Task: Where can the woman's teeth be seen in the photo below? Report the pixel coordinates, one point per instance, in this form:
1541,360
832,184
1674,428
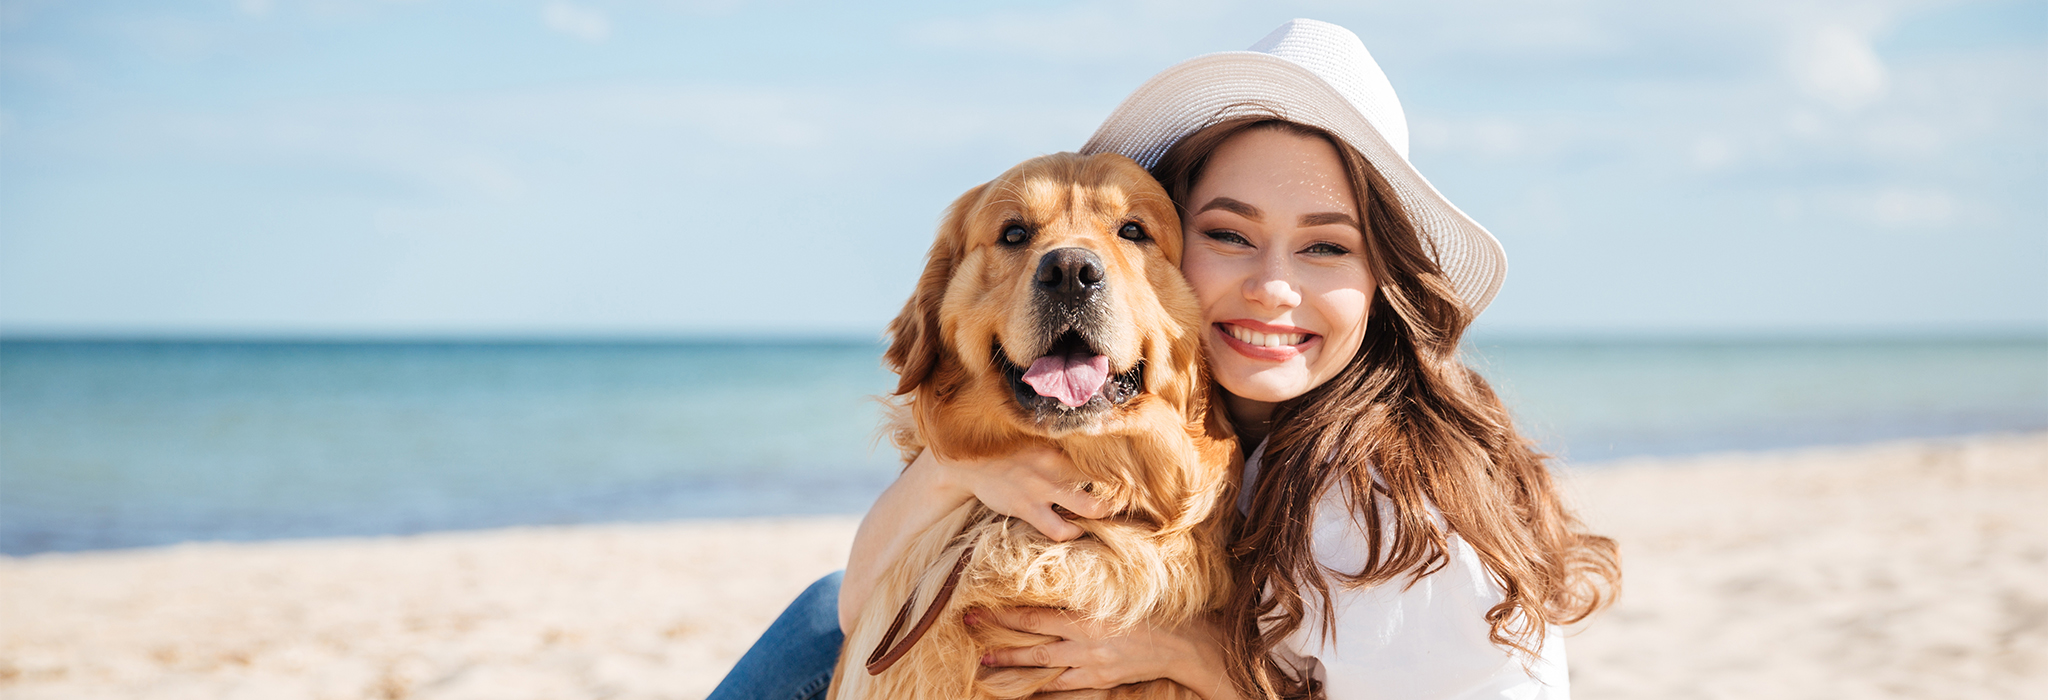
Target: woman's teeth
1265,340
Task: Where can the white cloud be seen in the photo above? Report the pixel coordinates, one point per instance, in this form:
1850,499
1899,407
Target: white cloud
1497,137
1534,30
1900,207
588,24
1836,65
708,8
1089,32
1079,32
1805,123
1506,135
1713,152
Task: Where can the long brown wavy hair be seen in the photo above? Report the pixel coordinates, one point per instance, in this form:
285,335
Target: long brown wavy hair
1406,409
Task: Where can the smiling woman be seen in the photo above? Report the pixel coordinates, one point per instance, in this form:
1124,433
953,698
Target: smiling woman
1377,498
1273,225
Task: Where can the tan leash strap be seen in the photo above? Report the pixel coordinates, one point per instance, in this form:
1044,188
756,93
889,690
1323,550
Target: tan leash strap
885,655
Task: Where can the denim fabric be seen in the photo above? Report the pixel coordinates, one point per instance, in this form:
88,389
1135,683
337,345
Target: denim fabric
793,659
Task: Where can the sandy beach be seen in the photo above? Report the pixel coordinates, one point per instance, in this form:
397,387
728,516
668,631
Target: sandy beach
1897,570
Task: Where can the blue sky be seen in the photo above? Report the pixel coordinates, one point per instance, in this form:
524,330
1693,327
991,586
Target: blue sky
453,167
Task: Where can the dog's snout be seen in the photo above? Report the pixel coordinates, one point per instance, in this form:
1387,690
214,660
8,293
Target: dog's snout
1073,274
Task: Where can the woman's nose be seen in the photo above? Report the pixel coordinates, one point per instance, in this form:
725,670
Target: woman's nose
1272,287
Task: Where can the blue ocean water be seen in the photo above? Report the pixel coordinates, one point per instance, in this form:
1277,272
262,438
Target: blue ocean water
1592,401
124,444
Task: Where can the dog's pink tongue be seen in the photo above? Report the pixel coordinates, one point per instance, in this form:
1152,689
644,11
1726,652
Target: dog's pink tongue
1073,379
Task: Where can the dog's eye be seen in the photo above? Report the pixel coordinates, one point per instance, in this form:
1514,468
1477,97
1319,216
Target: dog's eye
1015,235
1132,232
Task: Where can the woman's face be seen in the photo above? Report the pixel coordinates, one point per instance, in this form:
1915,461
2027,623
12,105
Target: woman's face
1276,255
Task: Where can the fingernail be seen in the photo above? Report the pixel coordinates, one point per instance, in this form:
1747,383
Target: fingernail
988,659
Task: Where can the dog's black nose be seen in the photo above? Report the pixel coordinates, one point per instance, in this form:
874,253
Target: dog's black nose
1070,274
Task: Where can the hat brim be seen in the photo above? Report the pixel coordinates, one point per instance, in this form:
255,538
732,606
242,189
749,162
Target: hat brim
1208,89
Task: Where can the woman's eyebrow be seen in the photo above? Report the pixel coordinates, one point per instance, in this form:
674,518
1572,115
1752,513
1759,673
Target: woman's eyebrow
1327,218
1235,207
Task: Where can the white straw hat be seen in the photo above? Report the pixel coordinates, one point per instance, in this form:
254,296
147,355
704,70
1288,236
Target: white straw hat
1317,74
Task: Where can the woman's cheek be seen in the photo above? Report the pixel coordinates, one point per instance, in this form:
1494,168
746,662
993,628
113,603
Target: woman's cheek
1204,276
1351,305
1347,311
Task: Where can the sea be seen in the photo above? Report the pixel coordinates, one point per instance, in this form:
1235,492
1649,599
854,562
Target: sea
122,444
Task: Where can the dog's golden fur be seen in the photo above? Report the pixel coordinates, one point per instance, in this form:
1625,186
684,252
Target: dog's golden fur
1158,455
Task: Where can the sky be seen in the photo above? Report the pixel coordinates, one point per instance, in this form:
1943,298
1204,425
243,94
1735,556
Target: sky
628,168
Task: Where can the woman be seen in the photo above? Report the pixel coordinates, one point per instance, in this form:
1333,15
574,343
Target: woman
1400,539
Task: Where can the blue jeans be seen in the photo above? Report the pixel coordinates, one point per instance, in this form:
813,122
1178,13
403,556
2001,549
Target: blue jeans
793,659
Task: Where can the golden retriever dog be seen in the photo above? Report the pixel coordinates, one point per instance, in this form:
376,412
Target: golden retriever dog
1051,312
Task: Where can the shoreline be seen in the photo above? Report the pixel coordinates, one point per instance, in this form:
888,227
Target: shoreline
1897,569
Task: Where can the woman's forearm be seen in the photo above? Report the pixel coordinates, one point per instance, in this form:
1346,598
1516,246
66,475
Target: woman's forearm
921,495
1034,484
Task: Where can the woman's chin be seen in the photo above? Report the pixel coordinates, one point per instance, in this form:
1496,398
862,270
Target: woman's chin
1273,385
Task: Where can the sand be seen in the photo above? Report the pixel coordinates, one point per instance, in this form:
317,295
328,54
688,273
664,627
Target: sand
1898,570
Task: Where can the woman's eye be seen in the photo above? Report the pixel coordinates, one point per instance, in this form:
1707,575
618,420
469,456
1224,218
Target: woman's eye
1323,249
1132,232
1230,237
1015,235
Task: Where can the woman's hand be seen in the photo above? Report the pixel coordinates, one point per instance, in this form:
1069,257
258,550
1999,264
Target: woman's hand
1026,485
1097,657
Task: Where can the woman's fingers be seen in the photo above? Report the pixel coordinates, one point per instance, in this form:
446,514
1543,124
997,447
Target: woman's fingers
1083,504
1081,664
1051,622
1048,655
1051,524
1080,679
1093,654
1057,482
1032,485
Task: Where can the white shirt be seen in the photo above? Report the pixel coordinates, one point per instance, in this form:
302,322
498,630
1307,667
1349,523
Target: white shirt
1428,640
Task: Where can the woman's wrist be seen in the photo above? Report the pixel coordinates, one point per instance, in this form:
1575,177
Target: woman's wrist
1205,668
939,480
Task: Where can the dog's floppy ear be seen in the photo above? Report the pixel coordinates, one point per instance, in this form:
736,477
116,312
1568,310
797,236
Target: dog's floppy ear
915,340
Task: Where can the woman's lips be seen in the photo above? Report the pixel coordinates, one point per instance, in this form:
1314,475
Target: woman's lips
1264,341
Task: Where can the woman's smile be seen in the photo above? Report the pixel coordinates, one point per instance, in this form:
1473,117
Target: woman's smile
1265,341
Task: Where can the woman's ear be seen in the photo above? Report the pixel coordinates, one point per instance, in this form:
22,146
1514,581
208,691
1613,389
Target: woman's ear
915,338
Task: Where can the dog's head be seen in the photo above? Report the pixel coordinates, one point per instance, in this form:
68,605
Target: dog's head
1052,297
